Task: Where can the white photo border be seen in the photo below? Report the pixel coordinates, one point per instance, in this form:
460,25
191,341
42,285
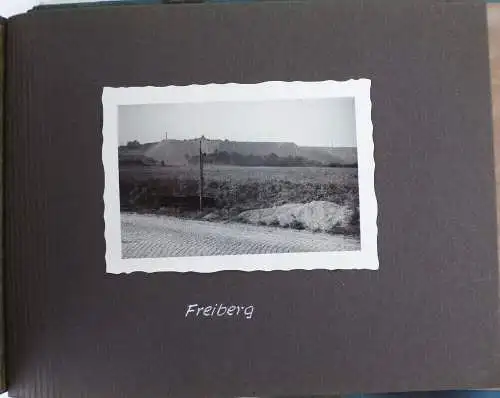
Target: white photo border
366,258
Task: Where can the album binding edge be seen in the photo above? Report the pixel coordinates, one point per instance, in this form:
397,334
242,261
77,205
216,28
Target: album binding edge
3,381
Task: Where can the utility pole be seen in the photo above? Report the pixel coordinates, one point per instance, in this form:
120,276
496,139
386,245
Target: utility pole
201,174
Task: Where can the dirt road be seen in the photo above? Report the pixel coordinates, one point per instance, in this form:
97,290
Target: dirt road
150,236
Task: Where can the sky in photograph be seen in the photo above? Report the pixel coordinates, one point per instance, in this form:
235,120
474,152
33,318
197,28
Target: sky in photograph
316,122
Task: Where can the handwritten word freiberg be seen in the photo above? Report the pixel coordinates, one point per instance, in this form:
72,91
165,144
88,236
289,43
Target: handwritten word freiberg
219,311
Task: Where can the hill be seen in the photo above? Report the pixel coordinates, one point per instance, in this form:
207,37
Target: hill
182,152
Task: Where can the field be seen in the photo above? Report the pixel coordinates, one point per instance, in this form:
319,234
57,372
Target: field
231,190
241,174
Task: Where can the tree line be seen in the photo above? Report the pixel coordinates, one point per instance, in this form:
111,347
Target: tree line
271,160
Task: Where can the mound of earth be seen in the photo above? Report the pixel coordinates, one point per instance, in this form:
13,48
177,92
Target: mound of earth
318,216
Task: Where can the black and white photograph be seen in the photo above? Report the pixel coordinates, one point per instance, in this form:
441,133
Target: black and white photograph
233,178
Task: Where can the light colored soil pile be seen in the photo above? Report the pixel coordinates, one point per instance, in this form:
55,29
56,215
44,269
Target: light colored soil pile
317,216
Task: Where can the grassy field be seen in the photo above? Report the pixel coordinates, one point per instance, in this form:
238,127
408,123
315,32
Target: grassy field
241,174
234,189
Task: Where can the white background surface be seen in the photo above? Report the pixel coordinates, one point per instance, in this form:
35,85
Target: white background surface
12,7
9,8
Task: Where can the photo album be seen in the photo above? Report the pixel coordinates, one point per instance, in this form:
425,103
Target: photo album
250,199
